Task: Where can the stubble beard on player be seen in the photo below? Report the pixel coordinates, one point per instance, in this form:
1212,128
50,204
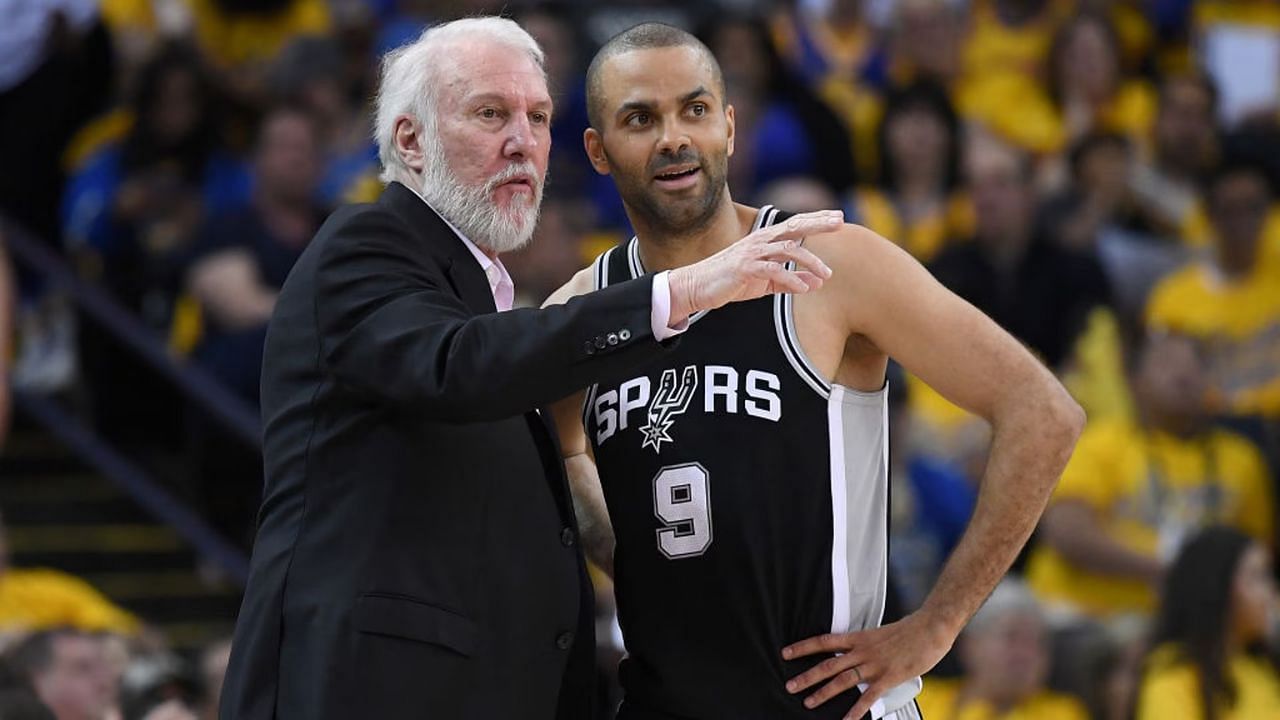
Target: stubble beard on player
670,221
472,208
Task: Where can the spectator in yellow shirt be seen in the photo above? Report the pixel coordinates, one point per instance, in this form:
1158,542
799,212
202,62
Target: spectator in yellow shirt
38,599
1005,655
1231,300
1010,38
1182,149
1084,90
1219,601
916,202
1134,491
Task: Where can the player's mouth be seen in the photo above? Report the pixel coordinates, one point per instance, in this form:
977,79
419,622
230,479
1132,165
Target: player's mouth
678,177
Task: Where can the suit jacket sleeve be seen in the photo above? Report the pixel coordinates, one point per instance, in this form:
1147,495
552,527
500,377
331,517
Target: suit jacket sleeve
392,326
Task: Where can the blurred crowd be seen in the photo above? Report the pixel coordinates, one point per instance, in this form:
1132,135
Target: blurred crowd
1099,176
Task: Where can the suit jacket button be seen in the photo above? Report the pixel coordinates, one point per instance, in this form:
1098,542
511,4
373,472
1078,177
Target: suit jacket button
624,335
589,348
613,338
566,537
565,640
600,342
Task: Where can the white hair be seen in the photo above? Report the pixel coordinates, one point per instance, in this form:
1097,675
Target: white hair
410,79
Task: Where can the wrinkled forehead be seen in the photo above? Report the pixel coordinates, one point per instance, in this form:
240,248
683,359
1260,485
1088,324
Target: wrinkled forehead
657,75
487,68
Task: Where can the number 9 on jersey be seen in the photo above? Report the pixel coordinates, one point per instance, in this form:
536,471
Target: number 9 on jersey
682,502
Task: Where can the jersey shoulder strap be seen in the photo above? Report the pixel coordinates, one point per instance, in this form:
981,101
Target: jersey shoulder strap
605,270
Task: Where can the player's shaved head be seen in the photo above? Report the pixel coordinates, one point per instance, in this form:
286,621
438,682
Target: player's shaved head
646,36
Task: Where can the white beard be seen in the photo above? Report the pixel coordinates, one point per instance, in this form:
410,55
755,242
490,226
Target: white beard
471,208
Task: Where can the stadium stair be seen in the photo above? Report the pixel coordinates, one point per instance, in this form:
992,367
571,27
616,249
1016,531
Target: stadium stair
61,514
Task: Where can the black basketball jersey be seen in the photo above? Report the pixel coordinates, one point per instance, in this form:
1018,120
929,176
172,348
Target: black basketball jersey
749,497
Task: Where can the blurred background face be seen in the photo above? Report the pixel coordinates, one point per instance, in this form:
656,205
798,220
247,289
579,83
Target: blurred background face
1253,595
1171,380
845,12
557,41
288,160
176,111
917,140
1002,194
737,47
1089,63
1105,169
1238,207
928,38
1184,130
1008,658
77,685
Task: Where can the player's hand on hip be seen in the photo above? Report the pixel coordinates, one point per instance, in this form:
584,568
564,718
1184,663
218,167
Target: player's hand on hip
755,266
878,659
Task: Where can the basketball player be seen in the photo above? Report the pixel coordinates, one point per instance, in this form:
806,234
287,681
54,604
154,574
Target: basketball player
745,471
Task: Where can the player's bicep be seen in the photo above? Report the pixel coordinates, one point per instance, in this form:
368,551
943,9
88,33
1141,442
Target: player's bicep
937,336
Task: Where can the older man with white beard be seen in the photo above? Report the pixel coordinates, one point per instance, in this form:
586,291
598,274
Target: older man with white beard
417,553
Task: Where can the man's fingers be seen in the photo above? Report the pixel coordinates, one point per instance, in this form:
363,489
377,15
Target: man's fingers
869,698
824,670
838,684
813,281
783,280
828,643
812,223
803,258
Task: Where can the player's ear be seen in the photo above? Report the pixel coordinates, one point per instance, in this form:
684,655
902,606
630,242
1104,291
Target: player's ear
728,118
594,144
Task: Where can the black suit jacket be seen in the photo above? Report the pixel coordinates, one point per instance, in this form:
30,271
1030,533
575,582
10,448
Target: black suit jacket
416,555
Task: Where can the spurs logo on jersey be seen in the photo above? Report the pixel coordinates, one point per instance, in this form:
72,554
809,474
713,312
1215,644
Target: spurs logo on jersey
671,400
724,390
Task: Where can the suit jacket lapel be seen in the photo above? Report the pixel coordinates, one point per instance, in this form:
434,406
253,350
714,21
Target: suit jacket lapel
460,266
472,286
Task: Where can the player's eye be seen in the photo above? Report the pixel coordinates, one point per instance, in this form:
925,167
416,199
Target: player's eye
698,109
489,113
539,118
639,119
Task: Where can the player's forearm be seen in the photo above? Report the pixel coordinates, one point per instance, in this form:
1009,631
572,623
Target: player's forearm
594,528
1033,438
